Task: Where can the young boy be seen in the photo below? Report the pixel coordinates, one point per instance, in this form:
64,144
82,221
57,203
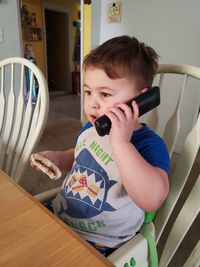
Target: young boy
116,178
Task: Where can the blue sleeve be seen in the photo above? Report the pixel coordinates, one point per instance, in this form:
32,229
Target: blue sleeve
157,155
152,148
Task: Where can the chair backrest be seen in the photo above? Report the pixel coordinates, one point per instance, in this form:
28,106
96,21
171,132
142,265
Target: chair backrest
191,207
172,127
181,172
24,103
139,252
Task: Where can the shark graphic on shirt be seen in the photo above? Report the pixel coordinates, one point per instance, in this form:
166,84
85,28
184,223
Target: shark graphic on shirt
86,189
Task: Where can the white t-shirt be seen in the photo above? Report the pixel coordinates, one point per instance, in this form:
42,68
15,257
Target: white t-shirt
92,199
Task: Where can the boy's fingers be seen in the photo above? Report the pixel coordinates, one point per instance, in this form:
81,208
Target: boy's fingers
135,109
118,113
126,110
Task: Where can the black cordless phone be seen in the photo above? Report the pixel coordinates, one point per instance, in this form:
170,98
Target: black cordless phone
146,102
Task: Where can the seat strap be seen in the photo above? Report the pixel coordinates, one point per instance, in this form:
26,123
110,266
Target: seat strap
151,244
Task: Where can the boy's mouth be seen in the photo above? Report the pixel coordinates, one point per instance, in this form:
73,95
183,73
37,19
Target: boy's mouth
92,117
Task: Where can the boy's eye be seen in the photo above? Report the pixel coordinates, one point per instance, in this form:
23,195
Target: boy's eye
105,94
87,92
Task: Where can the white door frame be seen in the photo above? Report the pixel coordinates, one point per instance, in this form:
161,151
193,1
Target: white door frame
81,72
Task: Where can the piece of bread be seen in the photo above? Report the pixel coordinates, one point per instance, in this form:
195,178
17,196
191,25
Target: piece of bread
46,166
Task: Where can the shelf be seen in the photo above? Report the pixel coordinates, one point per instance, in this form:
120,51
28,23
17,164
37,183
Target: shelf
31,33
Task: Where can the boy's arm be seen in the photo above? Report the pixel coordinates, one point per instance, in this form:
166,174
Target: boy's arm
148,186
62,159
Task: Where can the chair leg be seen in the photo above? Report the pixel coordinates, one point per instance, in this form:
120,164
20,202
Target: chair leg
48,195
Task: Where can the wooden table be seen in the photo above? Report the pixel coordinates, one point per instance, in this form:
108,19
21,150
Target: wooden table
30,235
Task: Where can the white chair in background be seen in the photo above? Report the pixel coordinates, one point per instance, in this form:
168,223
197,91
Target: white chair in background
24,103
137,252
172,126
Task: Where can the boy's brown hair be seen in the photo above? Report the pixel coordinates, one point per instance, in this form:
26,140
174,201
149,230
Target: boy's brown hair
125,56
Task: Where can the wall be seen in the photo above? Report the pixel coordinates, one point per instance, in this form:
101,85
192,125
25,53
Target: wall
86,27
96,23
171,28
9,22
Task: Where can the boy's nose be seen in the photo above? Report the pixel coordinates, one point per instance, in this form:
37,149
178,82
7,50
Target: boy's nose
94,103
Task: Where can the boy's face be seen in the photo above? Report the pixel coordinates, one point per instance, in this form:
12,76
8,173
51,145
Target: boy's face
102,93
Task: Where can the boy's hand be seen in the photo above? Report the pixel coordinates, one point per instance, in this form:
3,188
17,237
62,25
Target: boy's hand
124,122
51,155
46,166
62,159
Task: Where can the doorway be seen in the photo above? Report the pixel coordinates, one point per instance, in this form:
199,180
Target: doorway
58,54
57,50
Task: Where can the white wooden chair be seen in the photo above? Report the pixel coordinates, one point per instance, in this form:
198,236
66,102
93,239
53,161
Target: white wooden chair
22,116
166,72
136,252
138,248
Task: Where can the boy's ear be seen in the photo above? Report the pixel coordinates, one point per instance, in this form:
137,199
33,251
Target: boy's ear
144,90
